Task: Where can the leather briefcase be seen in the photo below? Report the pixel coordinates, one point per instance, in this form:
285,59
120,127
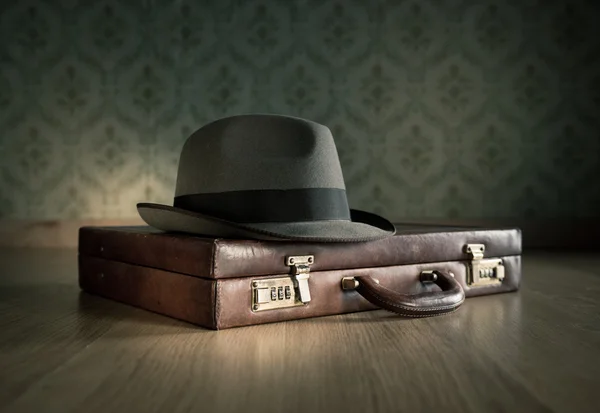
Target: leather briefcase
221,283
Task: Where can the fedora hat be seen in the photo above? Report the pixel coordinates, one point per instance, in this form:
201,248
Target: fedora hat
263,177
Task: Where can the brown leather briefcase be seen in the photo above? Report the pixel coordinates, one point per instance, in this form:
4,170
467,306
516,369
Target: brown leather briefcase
222,283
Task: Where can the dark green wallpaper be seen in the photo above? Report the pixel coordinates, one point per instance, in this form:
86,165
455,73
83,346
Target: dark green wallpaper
439,108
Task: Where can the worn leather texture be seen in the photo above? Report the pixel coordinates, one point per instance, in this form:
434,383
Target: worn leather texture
220,258
148,247
233,299
426,304
176,295
235,259
208,282
219,304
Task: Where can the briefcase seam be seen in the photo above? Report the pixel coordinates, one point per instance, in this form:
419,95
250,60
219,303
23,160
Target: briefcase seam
217,304
213,264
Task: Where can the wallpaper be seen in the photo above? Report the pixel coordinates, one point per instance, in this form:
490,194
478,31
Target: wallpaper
457,108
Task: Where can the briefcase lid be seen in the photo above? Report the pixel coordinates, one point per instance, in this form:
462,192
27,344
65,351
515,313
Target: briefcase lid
230,258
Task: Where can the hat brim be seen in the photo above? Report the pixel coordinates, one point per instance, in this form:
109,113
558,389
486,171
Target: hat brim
363,227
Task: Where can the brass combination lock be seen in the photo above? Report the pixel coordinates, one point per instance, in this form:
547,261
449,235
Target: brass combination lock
274,293
480,271
290,291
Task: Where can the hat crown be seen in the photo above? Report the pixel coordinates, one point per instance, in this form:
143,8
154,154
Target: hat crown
258,152
269,177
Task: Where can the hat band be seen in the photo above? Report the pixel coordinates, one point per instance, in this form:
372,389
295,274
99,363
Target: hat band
270,205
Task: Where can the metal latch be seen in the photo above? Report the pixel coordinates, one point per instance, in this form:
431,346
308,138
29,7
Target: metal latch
480,271
300,270
283,292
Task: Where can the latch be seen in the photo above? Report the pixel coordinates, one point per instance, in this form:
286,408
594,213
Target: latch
300,267
291,291
480,271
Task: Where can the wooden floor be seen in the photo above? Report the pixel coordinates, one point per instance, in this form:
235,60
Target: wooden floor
537,350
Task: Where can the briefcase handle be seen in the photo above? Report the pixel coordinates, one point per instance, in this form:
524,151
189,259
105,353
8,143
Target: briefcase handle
424,304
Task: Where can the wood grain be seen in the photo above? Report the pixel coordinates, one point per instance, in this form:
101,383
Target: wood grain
531,351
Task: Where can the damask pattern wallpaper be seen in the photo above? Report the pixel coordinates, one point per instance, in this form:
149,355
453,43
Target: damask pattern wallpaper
456,108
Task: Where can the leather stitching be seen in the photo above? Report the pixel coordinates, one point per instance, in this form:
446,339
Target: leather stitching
420,315
214,265
218,304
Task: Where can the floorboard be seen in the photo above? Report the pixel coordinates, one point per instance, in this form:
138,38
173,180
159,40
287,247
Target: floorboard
536,350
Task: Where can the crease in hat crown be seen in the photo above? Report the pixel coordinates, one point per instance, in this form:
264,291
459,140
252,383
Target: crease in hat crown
258,151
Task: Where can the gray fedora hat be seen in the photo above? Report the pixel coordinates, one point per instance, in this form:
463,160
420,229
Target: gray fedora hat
264,177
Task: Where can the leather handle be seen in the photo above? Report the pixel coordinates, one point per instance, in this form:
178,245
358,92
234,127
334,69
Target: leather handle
416,305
